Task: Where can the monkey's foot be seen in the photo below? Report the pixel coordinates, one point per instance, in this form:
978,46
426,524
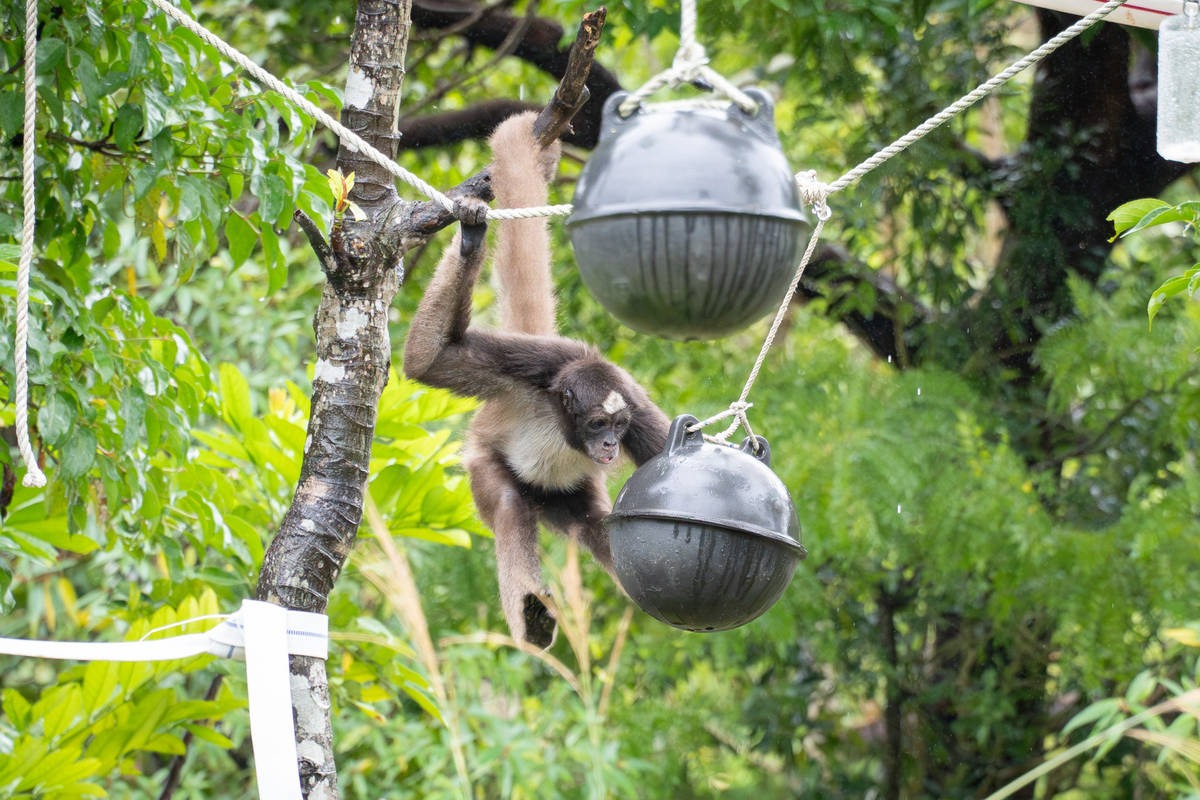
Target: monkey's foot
540,624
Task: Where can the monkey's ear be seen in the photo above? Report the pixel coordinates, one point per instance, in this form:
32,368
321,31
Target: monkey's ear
568,399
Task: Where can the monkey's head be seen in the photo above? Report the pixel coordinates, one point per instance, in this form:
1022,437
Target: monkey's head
595,408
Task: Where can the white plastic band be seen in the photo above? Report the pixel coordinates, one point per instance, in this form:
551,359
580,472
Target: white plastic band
269,685
190,644
307,635
264,634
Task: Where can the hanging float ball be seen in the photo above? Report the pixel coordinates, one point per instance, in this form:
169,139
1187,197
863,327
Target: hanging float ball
686,221
704,536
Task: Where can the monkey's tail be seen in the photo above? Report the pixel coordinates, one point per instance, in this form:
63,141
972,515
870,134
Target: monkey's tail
521,172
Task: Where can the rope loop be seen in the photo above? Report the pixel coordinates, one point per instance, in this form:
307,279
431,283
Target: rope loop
737,409
690,66
813,193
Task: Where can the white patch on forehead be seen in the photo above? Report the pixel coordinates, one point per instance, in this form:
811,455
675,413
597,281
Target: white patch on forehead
614,402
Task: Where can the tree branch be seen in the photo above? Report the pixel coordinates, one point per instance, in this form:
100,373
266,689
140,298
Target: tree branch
538,46
425,219
449,127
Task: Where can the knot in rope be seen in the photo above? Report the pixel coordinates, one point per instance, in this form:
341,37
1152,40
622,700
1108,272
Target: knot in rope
737,409
813,193
690,66
689,62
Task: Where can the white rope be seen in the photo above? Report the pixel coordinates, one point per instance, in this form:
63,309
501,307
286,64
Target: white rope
347,136
737,408
689,65
34,476
969,99
814,193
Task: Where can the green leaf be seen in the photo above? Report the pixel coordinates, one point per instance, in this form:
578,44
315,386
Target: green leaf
1140,688
12,109
1129,214
157,109
424,701
167,743
16,708
50,54
1169,289
1100,710
56,418
139,51
271,193
207,734
276,264
99,683
59,709
241,236
112,239
89,80
235,396
128,125
133,417
78,454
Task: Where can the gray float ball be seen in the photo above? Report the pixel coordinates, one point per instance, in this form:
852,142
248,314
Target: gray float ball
705,536
687,222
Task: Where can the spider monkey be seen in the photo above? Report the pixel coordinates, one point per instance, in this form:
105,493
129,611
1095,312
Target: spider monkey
555,412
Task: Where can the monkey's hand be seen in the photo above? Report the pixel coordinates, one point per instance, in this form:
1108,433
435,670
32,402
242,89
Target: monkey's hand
472,213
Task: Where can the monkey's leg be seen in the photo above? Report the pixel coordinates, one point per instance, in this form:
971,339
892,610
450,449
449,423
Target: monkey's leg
580,515
514,523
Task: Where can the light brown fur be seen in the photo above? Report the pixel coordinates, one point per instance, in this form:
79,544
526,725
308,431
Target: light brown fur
519,177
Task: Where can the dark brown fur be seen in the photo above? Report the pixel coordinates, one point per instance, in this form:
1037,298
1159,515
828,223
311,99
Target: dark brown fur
554,408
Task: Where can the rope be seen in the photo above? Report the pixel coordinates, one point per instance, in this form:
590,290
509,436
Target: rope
737,408
690,65
347,136
969,99
34,477
814,193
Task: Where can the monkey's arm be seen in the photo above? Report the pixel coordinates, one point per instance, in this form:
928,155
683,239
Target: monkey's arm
443,350
444,314
647,434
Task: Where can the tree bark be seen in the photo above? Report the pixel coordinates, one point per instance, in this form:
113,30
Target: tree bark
363,266
353,355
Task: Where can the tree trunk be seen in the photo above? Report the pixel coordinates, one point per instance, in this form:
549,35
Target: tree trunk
363,271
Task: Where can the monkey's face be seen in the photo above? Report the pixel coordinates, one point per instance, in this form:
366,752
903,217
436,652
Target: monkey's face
596,424
601,435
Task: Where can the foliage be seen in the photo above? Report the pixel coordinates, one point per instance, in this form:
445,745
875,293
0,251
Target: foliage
984,588
1165,698
97,718
1138,215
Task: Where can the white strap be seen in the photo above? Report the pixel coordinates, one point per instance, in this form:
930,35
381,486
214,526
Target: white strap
264,634
269,686
307,635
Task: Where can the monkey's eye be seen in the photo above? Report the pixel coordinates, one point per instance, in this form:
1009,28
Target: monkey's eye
596,424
